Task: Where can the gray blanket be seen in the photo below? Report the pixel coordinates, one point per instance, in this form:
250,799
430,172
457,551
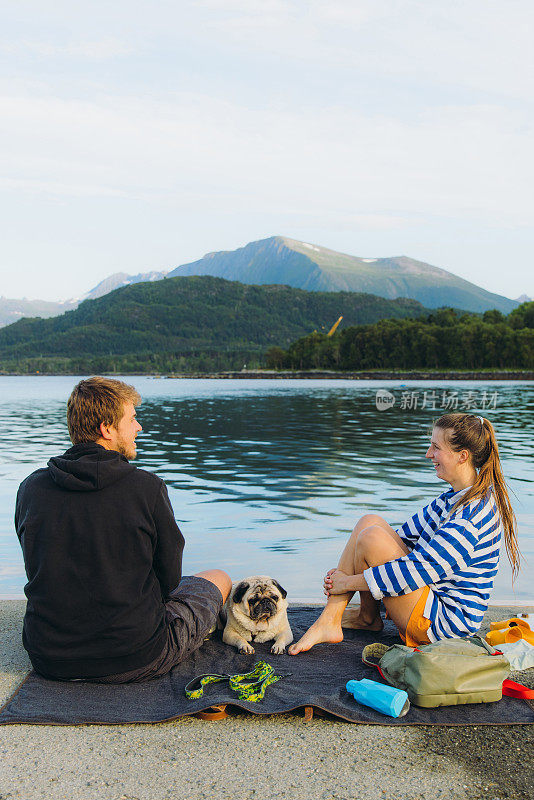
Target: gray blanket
317,679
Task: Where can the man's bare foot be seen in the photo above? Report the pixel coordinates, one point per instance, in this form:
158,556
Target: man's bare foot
352,618
321,631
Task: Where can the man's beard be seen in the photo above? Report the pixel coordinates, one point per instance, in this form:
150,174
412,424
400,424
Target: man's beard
126,449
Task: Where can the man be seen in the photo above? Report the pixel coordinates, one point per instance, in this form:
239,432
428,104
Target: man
103,554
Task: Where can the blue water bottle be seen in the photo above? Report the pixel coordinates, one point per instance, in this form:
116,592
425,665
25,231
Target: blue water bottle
379,696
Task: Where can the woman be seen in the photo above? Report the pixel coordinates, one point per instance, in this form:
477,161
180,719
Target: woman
435,573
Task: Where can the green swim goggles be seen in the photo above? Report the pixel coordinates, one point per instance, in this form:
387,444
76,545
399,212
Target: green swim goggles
249,686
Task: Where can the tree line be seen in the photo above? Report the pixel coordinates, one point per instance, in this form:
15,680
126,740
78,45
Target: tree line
137,364
445,339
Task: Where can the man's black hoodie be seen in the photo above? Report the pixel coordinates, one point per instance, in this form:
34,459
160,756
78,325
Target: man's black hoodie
102,551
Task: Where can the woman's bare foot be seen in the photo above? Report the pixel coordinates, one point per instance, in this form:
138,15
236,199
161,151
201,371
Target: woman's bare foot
322,630
353,618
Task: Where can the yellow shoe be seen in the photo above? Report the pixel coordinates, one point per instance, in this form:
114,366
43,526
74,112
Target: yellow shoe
505,635
507,623
528,636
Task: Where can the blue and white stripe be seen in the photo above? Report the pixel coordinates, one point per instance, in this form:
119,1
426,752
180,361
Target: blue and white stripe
456,555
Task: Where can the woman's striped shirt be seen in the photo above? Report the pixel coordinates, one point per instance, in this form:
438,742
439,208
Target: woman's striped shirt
456,555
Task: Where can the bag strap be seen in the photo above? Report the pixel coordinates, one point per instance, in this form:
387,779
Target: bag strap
513,689
492,651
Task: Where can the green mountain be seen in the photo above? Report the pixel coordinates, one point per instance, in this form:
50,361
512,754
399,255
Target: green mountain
317,269
151,326
11,310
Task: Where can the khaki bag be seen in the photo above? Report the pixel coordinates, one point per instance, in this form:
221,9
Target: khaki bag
445,673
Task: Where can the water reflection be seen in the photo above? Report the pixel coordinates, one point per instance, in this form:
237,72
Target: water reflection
267,476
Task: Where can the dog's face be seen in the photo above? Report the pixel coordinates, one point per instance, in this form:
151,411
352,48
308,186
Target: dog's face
256,610
259,597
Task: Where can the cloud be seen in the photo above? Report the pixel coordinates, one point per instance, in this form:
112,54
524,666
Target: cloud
51,187
98,50
370,222
199,149
409,117
483,46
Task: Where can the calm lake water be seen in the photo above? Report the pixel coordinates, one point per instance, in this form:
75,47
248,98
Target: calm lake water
269,476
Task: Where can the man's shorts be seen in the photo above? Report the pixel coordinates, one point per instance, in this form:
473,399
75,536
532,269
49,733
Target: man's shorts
418,625
191,612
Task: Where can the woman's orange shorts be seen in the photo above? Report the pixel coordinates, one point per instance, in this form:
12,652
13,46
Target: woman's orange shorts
418,625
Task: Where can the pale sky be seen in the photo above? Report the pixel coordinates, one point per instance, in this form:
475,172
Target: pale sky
138,136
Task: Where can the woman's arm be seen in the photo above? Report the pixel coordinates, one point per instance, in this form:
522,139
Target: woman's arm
338,582
447,553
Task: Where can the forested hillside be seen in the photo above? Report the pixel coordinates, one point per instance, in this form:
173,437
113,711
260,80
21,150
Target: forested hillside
442,340
190,323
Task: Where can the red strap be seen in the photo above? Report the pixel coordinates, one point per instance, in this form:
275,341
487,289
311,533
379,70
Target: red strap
513,689
371,664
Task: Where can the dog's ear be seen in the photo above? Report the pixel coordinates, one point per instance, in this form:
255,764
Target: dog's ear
239,591
280,589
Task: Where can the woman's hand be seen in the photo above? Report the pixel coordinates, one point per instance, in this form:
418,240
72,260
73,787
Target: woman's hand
327,582
337,582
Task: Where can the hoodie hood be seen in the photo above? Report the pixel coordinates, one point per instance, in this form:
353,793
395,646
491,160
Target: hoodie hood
88,468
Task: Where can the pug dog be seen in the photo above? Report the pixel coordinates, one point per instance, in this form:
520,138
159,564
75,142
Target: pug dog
256,609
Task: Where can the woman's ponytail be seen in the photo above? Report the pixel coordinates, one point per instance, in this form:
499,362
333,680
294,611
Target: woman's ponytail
476,434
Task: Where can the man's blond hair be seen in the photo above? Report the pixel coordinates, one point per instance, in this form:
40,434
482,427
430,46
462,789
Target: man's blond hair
96,400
